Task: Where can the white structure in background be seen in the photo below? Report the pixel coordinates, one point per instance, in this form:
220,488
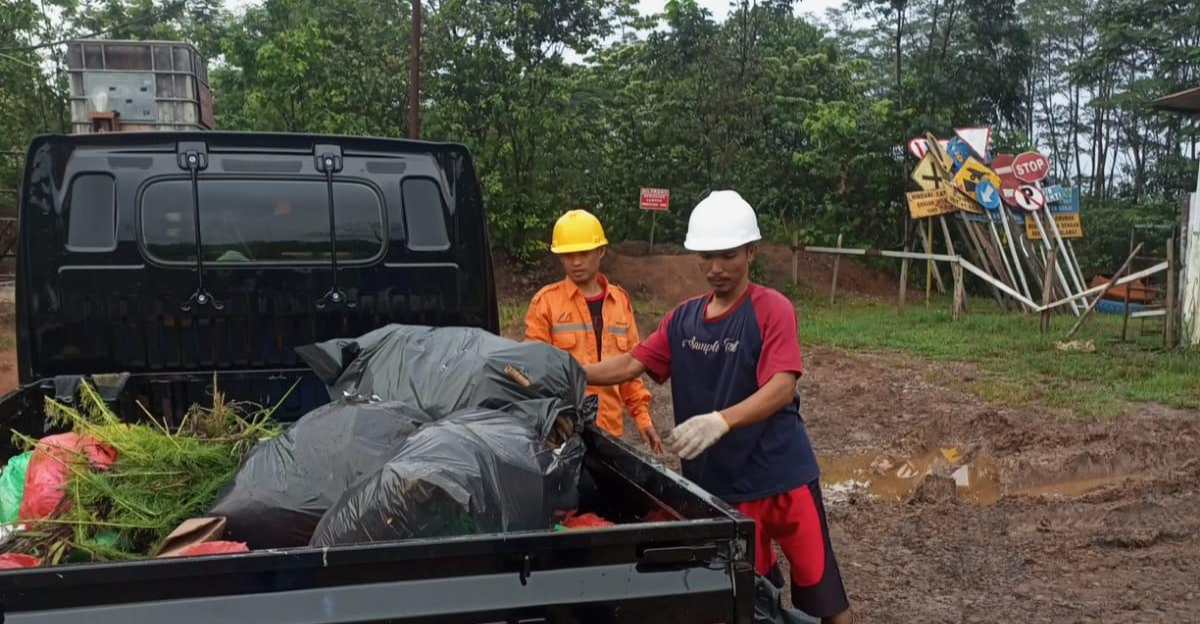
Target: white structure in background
1188,102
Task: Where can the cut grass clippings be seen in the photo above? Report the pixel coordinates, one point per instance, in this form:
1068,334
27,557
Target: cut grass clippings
1020,362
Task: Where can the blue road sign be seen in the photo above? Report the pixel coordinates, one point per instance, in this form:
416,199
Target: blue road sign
959,152
1054,193
1069,204
987,194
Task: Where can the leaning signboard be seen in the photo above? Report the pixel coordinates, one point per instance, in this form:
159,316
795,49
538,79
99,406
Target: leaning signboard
922,204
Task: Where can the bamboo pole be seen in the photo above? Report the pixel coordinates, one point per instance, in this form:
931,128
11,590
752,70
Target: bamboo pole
1128,279
1128,289
928,266
903,283
796,256
981,274
837,259
926,243
959,297
1116,276
1050,265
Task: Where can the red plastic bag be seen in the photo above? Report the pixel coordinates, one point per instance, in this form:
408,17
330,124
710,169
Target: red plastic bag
50,468
585,521
12,561
211,548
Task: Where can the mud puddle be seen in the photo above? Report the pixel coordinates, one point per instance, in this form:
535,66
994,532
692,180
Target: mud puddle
977,480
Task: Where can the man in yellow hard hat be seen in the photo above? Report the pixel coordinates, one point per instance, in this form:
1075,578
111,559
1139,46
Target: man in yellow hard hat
592,319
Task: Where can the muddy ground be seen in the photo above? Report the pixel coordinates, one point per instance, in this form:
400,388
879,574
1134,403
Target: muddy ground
945,508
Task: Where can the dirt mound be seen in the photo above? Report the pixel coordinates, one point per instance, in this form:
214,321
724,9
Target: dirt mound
671,275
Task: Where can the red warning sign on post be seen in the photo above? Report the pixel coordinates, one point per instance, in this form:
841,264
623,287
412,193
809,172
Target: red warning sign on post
656,199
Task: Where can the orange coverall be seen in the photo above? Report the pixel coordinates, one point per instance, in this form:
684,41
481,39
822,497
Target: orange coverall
559,315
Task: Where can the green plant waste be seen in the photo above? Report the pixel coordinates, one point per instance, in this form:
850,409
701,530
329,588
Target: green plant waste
161,477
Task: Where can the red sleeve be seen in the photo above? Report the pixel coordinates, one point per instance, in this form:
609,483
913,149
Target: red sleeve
655,352
781,344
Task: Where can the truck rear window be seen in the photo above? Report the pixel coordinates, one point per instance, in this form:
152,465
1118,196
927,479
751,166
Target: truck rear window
251,221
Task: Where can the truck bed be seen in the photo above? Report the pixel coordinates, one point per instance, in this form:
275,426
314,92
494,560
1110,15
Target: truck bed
697,568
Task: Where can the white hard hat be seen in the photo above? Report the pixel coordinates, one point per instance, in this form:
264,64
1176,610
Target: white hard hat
721,221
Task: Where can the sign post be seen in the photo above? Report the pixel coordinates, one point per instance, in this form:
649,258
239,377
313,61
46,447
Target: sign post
655,200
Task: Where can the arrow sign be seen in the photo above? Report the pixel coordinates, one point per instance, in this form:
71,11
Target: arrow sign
978,139
1030,198
1031,167
987,194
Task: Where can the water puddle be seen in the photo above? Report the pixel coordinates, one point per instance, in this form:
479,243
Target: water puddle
977,481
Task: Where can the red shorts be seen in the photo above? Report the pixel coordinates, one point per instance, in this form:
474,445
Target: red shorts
796,521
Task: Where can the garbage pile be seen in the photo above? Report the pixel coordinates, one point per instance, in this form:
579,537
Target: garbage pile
431,432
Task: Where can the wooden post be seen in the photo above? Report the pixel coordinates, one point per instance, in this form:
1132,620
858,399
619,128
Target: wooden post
1128,289
1048,280
903,282
654,222
927,243
837,259
959,295
1116,276
1169,333
981,259
796,255
928,267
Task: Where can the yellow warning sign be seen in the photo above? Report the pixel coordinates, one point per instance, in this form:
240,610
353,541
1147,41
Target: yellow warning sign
926,174
923,204
1069,226
939,151
962,202
971,173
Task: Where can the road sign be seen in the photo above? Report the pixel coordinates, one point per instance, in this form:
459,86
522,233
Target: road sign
987,194
971,173
1002,165
1030,198
1069,226
927,173
1054,193
656,199
918,147
959,152
923,204
962,201
977,139
1069,203
939,151
1031,167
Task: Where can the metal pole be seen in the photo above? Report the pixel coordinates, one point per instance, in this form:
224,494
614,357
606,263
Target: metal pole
414,74
1012,245
653,223
1057,269
1065,256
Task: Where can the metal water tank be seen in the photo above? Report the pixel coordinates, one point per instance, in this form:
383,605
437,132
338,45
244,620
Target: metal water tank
154,85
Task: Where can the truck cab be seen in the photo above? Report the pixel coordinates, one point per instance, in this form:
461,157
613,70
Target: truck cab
152,263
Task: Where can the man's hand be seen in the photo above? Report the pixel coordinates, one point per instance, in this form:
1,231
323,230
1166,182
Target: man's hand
698,433
650,438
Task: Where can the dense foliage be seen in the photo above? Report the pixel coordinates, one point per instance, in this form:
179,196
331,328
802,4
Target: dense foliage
578,103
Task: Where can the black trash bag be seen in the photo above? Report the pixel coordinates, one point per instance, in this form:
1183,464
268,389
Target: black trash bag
287,483
769,609
480,470
443,370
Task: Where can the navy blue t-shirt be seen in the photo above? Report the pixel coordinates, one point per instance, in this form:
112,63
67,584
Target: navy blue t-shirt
719,362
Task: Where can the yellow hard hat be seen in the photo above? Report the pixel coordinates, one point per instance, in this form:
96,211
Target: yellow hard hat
577,230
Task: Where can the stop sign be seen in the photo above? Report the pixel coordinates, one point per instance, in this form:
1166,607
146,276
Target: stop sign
1031,167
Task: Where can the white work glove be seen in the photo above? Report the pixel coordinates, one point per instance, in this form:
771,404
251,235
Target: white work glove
697,433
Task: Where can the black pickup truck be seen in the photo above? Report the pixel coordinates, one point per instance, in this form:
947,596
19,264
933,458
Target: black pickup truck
174,256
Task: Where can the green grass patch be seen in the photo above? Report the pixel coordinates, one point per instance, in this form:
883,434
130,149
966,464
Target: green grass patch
1019,362
512,312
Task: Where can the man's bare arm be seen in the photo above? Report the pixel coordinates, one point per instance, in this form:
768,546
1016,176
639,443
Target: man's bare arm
614,371
779,390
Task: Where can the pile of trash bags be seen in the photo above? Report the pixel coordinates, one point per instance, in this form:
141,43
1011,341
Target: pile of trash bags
433,432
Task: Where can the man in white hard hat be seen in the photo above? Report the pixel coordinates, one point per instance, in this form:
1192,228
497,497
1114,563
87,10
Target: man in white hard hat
734,356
